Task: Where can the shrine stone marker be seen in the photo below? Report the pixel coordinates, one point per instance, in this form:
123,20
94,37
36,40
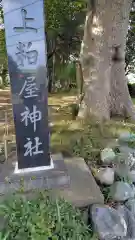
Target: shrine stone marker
26,49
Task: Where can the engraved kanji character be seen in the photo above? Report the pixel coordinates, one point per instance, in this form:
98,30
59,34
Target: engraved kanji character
34,116
29,88
32,150
25,20
24,53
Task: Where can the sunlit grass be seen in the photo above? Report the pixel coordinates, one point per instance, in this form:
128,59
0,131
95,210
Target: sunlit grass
133,99
67,131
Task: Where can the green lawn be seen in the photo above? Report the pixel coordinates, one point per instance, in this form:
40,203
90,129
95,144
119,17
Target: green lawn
77,137
133,99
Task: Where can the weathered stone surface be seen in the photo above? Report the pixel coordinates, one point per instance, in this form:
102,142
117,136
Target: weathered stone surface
105,175
127,137
125,166
121,191
108,223
70,179
130,204
83,189
131,176
107,155
122,170
125,149
130,221
39,180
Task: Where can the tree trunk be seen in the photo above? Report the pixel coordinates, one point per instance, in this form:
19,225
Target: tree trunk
120,102
103,60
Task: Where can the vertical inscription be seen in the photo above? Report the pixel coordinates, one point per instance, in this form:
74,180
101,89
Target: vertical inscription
26,52
29,88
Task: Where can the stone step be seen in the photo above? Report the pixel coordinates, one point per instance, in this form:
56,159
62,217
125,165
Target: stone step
70,179
83,190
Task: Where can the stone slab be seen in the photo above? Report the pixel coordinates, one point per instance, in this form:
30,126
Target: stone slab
71,179
38,180
83,189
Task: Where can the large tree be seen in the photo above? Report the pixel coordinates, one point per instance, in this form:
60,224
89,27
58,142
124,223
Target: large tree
103,60
63,20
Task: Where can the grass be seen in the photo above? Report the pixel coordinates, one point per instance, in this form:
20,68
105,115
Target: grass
133,99
50,219
75,137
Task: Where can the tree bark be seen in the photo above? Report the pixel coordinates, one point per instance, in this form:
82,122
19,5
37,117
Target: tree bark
121,103
103,60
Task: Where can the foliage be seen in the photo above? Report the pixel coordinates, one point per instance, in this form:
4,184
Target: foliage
2,39
90,142
63,19
65,74
64,33
131,88
3,55
42,218
130,47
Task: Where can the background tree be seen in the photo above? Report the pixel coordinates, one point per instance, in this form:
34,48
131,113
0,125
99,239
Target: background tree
3,56
64,32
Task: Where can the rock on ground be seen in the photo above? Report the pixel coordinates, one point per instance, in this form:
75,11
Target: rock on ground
107,156
130,204
130,221
127,137
107,222
121,191
105,175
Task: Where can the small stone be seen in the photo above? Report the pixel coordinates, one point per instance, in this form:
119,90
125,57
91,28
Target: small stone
130,221
122,170
131,161
123,164
107,155
127,137
108,223
105,175
131,176
121,191
130,204
125,149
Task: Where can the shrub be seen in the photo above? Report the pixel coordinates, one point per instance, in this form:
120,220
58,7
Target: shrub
131,88
89,144
42,218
